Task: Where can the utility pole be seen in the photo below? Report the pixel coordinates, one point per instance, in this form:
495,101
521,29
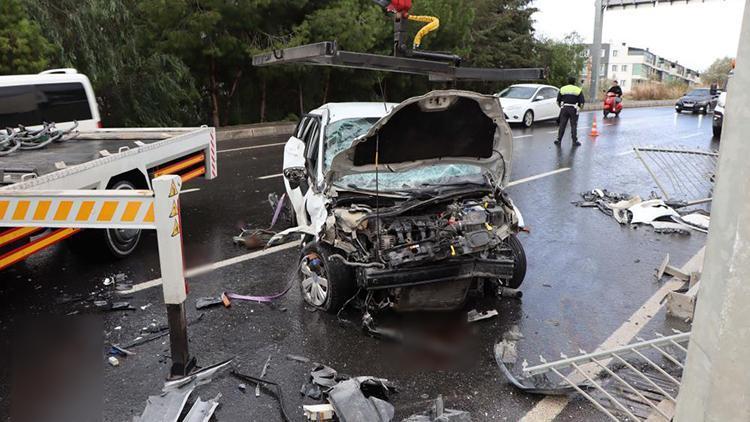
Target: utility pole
716,385
596,50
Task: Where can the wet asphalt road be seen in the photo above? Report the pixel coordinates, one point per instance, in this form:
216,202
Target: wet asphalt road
586,276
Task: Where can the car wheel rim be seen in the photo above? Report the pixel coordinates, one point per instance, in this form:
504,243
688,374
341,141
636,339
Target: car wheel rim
123,240
314,280
527,119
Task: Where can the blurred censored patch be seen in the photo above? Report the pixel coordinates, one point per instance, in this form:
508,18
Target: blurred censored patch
56,366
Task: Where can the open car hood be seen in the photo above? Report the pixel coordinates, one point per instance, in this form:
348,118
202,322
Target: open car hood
440,127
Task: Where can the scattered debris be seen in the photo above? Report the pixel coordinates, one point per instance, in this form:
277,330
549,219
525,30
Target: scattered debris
438,413
262,374
121,306
697,221
318,412
259,238
225,300
146,306
242,387
260,299
107,281
113,361
117,350
682,304
207,302
277,391
362,399
473,315
159,330
297,358
666,268
633,210
202,410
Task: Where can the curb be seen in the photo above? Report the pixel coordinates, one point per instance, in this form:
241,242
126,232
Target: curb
255,131
632,104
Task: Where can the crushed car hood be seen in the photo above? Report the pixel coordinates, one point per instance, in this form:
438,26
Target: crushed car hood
441,127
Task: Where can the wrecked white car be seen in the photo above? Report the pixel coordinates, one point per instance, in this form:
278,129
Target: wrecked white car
404,205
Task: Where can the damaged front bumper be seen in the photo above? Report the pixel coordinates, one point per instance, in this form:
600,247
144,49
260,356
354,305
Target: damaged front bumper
453,269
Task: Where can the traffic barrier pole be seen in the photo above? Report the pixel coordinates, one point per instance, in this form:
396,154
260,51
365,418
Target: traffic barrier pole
118,209
168,234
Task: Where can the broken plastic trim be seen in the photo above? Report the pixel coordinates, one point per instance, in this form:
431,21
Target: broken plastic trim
277,390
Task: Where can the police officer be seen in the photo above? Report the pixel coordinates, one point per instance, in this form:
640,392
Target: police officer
570,99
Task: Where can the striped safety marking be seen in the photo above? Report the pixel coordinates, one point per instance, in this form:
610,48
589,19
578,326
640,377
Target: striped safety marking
12,235
174,168
113,212
23,252
212,155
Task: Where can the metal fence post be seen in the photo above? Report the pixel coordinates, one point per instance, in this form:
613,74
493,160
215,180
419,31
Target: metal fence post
168,233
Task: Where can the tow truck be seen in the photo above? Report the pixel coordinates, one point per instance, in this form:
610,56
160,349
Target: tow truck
409,59
99,159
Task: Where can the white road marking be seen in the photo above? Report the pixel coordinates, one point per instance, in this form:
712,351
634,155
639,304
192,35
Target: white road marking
189,190
549,408
214,266
552,131
252,147
538,176
270,176
691,136
625,153
522,136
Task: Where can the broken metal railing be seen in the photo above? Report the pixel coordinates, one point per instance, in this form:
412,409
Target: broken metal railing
617,385
680,173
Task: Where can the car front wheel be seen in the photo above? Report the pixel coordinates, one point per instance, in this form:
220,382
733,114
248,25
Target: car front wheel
528,118
325,283
519,262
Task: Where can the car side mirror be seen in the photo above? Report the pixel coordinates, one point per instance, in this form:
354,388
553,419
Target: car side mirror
539,98
295,176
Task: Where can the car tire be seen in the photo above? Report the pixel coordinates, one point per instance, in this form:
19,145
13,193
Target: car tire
121,242
325,284
528,119
678,110
617,114
519,262
717,132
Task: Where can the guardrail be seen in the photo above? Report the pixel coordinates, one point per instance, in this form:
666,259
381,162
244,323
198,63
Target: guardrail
118,209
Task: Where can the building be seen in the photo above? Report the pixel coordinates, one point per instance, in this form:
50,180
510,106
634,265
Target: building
632,66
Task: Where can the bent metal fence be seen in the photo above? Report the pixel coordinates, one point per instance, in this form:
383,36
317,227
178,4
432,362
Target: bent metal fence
680,173
636,382
118,209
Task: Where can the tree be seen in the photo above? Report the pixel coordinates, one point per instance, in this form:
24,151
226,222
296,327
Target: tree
503,34
564,58
104,39
718,72
23,48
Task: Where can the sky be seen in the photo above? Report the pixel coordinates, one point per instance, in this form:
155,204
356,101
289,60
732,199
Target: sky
693,33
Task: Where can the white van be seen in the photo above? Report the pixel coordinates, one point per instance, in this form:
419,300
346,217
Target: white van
61,96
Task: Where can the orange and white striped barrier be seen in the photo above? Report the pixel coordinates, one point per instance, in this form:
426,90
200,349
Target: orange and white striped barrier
27,211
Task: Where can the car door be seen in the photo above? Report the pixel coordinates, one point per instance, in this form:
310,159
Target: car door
549,103
296,176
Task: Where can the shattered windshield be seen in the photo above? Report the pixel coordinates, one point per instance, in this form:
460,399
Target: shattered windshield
415,179
341,134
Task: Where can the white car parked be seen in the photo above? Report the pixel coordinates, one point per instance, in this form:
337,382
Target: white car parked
529,103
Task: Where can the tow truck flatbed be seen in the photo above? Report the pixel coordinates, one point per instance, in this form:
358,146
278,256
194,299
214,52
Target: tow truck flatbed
101,159
91,159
